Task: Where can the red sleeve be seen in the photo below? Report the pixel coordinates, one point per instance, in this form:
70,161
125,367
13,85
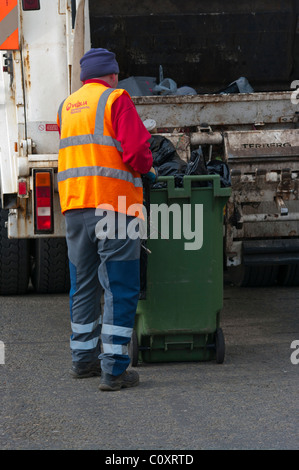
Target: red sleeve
131,133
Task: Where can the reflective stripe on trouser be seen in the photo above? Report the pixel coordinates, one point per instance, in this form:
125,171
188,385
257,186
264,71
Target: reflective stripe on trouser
111,264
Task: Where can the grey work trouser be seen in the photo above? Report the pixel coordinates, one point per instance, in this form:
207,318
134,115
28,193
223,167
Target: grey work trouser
96,264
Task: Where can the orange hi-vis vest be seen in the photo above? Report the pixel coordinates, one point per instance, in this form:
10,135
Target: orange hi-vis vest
91,172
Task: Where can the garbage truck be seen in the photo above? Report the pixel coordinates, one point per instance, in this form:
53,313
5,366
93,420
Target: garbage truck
217,76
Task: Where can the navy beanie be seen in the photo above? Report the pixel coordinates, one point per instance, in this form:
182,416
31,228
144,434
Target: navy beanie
97,63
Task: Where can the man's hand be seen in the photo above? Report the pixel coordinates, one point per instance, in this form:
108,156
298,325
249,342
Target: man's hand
151,175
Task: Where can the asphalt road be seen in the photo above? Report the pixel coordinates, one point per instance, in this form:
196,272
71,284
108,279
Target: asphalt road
248,402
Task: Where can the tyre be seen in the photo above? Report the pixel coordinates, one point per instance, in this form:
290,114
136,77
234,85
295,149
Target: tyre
133,349
220,346
50,272
14,261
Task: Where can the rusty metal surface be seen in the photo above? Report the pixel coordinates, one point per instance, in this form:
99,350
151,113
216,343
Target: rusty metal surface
21,221
263,205
44,72
217,110
260,144
265,185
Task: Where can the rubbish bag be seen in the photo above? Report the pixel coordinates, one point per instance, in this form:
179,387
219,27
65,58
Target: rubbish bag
186,90
238,86
218,167
169,87
165,87
167,162
138,86
196,166
162,150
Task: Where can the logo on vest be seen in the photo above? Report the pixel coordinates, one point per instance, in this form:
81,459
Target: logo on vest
76,107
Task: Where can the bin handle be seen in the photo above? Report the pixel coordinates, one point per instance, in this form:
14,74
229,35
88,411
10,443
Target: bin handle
185,191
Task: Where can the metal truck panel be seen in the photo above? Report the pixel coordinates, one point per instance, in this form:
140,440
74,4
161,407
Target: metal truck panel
21,221
256,146
9,133
217,110
45,72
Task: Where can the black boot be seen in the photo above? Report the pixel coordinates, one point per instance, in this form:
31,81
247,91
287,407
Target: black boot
127,379
81,370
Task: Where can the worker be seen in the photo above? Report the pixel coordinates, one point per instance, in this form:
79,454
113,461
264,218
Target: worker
104,150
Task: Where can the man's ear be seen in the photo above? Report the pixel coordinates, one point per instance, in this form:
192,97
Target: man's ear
114,78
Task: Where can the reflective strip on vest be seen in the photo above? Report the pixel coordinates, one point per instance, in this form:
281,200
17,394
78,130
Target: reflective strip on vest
89,139
97,138
99,171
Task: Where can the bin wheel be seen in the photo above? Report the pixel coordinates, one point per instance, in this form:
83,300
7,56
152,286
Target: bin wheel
133,349
220,346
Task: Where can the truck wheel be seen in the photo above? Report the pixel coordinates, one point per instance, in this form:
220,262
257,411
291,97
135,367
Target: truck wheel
14,261
50,272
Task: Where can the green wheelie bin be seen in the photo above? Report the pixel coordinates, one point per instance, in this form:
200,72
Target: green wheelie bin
179,317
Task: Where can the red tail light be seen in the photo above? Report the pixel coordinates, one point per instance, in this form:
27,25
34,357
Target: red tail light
22,188
43,201
30,5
